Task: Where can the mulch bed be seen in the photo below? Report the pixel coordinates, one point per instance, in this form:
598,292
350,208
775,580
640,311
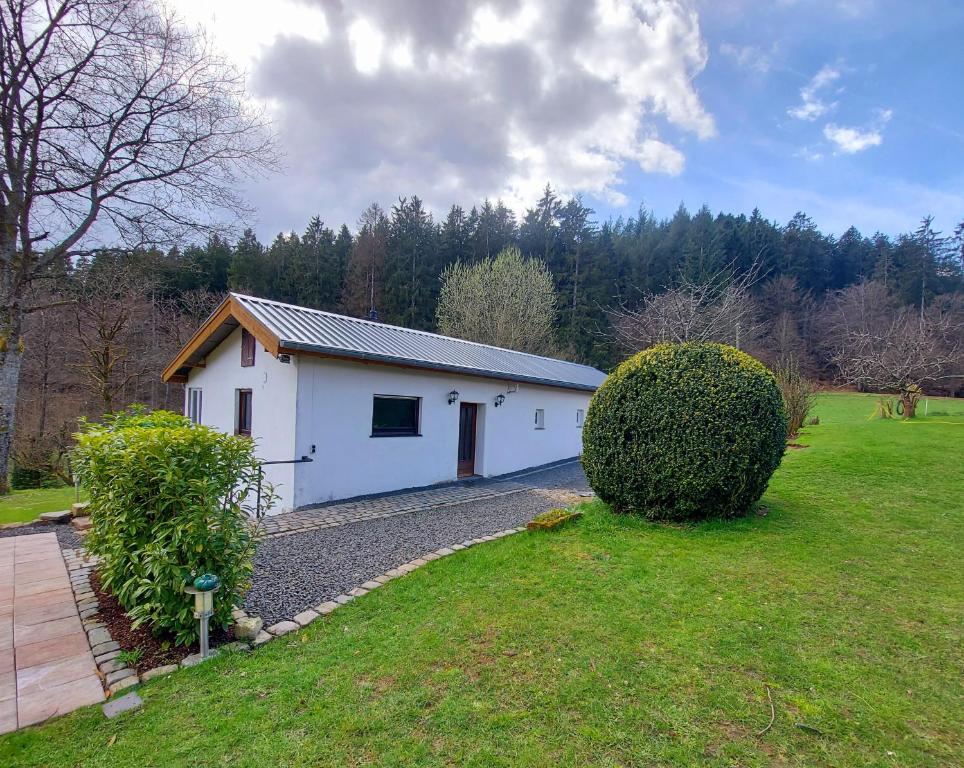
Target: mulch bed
155,651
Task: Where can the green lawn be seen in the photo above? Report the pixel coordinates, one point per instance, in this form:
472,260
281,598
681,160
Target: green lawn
615,642
22,506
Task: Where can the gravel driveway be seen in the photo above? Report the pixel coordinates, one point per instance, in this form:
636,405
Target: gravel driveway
299,571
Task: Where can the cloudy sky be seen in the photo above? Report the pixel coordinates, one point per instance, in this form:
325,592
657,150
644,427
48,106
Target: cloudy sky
850,111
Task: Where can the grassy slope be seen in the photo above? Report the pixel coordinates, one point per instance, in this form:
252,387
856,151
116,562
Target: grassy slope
616,642
22,506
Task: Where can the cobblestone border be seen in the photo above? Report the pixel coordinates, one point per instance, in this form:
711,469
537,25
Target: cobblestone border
290,523
305,618
378,506
117,676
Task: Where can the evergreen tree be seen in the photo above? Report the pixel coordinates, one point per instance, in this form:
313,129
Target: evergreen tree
411,269
248,271
806,254
454,237
364,274
703,255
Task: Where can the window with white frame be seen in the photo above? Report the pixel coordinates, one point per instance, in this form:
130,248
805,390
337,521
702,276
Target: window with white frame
194,405
540,418
580,415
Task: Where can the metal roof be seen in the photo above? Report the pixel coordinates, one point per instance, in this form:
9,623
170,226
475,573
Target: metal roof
311,330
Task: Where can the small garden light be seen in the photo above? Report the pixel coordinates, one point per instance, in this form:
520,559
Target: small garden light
203,589
453,396
499,399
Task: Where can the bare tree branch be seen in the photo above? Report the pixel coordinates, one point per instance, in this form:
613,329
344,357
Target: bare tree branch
117,123
720,309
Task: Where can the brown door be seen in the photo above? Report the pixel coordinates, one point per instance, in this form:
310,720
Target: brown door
467,417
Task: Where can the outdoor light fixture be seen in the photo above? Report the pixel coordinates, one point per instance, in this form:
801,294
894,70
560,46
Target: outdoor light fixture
203,590
499,399
453,396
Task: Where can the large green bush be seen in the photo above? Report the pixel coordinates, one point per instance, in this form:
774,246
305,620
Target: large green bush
166,504
683,431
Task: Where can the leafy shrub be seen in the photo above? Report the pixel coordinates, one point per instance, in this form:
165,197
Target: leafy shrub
165,506
684,431
797,392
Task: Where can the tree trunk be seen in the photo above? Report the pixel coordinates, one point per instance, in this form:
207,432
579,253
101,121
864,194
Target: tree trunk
909,402
11,357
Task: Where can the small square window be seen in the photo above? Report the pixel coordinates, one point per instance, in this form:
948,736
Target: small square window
248,343
580,415
194,405
540,418
243,417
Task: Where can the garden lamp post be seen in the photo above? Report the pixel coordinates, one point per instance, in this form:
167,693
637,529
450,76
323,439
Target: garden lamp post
203,589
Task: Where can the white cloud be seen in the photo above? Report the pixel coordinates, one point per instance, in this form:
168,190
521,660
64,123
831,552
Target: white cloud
749,57
243,31
812,104
456,101
850,140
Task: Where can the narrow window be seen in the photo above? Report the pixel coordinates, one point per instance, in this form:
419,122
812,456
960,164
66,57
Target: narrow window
580,415
244,413
247,349
540,418
194,405
394,416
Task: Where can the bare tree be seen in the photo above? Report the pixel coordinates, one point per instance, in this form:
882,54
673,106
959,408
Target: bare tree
508,301
115,122
113,315
894,349
720,309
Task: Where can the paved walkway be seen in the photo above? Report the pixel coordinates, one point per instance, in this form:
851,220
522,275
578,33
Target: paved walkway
46,667
377,507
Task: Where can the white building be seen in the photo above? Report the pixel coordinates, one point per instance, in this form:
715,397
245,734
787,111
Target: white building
375,407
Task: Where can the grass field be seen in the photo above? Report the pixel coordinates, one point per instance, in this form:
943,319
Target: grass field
615,642
22,506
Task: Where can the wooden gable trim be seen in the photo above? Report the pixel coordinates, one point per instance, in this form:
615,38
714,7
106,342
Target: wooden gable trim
255,327
229,308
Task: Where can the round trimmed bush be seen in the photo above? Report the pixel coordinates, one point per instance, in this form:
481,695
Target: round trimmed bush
683,431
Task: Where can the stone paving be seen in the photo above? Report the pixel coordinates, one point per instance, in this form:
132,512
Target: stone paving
375,507
46,665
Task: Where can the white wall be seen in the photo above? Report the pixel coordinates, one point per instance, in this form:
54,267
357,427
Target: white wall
273,386
335,415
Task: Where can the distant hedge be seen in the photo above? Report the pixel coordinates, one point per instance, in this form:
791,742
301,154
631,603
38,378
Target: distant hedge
166,506
683,431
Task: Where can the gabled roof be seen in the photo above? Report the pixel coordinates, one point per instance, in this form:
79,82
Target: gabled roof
285,328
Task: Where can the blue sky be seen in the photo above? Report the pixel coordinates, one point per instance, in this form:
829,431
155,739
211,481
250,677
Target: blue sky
850,111
904,57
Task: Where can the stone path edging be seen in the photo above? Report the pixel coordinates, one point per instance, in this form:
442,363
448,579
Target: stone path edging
390,505
118,676
114,674
303,619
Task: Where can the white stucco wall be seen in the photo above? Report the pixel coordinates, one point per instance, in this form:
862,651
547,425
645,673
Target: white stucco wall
273,386
334,413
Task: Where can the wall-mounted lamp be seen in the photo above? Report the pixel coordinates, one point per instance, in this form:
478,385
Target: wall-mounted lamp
453,396
499,399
